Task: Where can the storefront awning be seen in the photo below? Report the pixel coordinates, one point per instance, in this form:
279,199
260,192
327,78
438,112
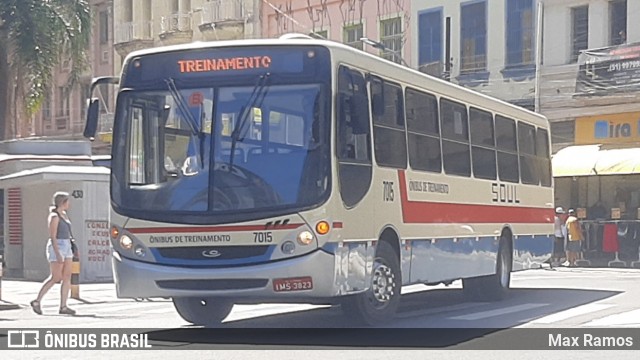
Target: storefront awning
588,160
55,173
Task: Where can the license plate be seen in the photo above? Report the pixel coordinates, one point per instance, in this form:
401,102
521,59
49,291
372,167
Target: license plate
293,284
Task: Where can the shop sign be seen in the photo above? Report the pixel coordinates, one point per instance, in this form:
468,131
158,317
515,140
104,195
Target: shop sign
608,129
615,213
582,213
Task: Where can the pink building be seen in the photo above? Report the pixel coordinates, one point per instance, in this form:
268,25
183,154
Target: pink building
62,114
384,21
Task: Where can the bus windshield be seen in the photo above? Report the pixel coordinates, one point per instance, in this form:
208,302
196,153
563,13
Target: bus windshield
207,150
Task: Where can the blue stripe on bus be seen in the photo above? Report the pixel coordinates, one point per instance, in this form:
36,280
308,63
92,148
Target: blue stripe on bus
535,245
211,262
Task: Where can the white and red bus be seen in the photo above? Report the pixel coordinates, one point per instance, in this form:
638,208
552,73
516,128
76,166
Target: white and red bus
301,170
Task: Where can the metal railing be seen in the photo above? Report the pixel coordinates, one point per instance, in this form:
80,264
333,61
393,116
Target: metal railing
221,10
175,22
142,30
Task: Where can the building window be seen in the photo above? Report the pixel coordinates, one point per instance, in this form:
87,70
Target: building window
46,107
104,27
473,39
430,37
520,32
618,21
391,38
580,33
62,102
352,35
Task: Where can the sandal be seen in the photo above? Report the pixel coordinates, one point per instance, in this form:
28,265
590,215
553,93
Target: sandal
67,311
35,306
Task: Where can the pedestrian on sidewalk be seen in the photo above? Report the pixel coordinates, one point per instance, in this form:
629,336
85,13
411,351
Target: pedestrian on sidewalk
560,230
575,237
59,253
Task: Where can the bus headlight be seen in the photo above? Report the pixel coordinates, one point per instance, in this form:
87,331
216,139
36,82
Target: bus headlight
126,242
305,238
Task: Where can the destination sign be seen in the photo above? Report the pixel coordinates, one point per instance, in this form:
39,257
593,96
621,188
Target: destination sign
214,62
222,64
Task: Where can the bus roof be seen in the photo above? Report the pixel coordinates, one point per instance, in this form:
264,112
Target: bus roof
367,61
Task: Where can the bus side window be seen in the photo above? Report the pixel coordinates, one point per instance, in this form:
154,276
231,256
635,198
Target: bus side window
353,141
353,117
483,145
455,138
542,154
527,152
507,146
389,138
423,131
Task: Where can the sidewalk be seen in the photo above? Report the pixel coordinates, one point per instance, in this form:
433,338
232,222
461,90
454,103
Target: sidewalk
17,294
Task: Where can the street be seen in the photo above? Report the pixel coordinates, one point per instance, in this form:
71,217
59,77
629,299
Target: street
558,297
545,298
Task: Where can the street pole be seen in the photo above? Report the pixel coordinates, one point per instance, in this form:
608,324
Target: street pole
447,55
538,56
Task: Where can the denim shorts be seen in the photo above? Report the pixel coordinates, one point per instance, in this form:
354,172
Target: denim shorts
574,246
64,245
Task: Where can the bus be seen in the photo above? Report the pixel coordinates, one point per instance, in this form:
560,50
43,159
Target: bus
299,170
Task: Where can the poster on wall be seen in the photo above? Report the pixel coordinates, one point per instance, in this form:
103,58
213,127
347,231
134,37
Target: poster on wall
95,264
609,70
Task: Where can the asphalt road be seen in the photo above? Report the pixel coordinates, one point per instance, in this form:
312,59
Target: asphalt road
431,317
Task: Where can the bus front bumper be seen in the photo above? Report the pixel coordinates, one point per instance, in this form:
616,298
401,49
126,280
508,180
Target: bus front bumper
135,279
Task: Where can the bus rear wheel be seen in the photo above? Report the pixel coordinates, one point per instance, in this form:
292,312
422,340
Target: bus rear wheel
492,287
203,311
379,303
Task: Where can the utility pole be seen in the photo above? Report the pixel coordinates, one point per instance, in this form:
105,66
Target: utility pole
447,55
538,57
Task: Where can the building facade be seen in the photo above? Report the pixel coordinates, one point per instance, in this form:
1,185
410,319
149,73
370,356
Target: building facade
142,24
62,114
572,26
347,21
492,45
494,50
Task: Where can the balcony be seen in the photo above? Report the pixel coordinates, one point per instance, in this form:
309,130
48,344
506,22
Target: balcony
133,36
176,29
223,20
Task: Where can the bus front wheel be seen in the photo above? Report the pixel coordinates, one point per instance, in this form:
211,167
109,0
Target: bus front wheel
379,303
492,287
202,311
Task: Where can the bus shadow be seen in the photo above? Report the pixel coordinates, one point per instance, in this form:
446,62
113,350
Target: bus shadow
429,319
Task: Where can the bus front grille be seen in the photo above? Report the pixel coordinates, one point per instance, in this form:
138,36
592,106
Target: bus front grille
218,284
213,252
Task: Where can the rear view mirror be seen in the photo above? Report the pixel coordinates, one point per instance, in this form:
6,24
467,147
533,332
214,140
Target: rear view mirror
93,113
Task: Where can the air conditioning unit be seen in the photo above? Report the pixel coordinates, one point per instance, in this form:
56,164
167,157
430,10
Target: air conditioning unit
435,68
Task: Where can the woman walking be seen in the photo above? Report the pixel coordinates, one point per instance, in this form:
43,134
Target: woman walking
59,254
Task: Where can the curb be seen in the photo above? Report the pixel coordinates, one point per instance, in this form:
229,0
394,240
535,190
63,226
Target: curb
9,306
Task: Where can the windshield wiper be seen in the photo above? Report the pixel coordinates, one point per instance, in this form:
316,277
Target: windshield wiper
256,98
191,121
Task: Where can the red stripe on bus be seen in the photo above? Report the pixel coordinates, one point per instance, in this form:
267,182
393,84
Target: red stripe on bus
337,225
230,228
421,212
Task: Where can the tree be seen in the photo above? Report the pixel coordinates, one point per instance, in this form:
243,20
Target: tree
35,36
